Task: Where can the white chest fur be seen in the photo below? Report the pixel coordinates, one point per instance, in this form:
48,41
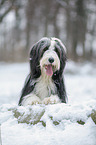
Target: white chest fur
45,87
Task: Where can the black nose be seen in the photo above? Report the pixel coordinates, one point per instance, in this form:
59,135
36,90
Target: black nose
51,59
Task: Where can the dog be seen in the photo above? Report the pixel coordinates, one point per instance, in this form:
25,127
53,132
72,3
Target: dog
45,83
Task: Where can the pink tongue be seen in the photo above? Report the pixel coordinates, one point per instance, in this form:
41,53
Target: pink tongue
49,70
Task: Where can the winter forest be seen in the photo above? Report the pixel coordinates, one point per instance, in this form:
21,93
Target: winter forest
22,23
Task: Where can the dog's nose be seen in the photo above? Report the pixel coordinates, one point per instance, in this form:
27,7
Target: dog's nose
51,59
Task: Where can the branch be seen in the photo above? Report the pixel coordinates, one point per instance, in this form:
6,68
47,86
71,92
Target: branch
66,5
12,5
5,13
2,2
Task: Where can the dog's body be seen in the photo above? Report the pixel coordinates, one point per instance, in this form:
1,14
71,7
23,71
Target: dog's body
45,83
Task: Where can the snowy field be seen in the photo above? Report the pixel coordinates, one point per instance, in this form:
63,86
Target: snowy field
58,124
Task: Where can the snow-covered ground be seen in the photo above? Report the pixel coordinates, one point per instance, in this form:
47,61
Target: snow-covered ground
58,123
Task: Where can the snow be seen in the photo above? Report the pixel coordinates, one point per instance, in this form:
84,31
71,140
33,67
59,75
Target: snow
12,77
57,124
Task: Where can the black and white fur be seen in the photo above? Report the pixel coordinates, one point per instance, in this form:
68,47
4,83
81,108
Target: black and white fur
40,87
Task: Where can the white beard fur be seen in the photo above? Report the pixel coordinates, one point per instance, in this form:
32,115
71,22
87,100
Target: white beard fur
43,92
45,87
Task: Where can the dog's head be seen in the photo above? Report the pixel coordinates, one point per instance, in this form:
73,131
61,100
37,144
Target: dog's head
47,56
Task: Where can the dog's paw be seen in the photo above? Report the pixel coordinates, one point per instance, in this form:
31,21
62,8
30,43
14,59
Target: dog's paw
53,99
35,101
31,100
46,101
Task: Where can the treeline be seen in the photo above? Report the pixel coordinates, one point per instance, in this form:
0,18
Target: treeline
22,23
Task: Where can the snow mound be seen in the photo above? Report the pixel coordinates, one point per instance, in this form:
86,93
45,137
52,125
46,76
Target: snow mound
56,114
57,124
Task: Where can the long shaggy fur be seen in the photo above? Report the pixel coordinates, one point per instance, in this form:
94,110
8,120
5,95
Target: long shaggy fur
45,83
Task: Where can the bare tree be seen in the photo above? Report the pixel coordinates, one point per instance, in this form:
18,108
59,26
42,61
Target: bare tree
8,5
67,19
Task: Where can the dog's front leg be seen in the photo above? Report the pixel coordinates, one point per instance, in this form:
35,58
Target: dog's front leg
31,99
53,99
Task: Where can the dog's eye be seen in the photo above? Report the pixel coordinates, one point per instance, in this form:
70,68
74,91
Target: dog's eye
45,49
57,51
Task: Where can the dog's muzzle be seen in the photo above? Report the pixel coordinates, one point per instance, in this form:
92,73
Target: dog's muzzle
49,63
49,68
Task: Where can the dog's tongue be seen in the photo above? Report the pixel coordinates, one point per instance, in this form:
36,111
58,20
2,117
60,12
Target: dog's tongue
49,70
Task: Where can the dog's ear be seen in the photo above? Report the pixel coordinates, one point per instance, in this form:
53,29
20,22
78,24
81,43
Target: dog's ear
34,61
61,51
35,55
63,60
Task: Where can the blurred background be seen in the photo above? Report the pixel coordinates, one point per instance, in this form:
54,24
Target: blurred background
22,23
